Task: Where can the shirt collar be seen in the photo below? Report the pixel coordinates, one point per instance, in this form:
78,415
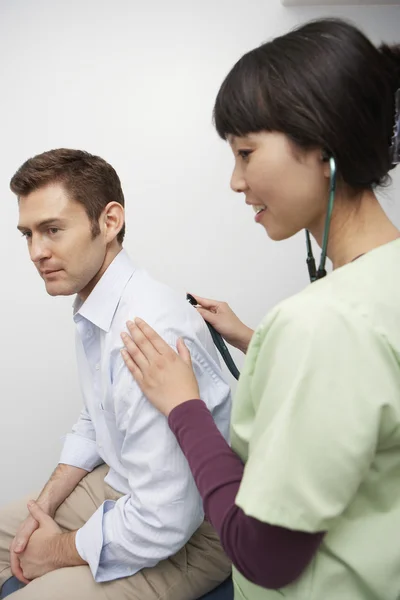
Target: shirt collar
100,306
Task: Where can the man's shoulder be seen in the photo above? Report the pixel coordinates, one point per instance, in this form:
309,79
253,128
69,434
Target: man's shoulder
170,314
147,297
162,307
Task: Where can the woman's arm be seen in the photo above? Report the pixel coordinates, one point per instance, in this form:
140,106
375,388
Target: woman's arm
269,556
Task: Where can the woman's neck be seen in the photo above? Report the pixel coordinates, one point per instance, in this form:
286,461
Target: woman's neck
358,226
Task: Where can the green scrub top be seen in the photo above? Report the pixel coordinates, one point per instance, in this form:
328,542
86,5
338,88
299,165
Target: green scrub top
316,419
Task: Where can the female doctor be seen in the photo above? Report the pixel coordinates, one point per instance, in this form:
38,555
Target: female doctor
307,501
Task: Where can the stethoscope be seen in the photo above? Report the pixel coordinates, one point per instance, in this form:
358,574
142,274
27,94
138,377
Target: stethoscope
312,270
219,343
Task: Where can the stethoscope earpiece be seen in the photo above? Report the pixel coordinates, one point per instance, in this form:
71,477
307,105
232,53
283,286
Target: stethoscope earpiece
325,156
312,270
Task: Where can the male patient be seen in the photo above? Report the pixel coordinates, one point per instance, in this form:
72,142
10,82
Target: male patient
121,508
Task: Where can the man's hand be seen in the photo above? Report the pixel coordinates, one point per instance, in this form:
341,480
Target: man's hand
48,548
19,544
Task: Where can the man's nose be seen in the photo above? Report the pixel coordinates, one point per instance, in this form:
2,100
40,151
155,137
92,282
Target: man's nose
38,250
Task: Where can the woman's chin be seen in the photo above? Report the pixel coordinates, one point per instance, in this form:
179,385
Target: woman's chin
277,234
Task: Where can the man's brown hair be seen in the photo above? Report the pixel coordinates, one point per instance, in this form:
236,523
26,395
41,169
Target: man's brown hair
86,178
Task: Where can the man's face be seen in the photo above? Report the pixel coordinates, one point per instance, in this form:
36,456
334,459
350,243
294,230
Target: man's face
60,241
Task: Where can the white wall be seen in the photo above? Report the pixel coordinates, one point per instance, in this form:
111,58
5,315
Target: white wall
135,83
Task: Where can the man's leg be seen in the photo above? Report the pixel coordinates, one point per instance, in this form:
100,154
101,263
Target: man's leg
11,518
197,568
72,514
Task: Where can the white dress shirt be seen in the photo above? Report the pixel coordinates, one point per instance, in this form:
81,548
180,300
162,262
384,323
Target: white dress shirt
161,507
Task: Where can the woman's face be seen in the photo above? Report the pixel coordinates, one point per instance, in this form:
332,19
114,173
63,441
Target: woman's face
287,185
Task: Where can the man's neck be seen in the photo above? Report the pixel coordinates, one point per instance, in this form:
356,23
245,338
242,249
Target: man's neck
111,253
358,226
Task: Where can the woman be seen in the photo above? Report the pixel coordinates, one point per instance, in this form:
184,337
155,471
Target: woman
307,502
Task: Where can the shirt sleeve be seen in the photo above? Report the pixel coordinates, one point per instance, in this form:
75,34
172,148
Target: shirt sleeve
163,509
79,448
315,389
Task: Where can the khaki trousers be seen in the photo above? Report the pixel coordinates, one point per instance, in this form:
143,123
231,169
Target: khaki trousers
196,569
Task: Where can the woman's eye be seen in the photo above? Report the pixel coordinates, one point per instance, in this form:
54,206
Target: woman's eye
244,154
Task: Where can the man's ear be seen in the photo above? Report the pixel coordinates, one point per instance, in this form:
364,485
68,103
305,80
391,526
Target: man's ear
112,220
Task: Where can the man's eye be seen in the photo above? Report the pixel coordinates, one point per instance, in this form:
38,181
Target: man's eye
26,234
53,230
244,154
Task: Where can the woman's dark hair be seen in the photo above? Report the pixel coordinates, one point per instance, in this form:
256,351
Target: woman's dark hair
324,85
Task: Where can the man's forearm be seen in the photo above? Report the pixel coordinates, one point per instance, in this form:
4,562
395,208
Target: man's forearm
63,481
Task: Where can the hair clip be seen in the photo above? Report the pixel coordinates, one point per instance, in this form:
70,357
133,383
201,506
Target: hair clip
395,147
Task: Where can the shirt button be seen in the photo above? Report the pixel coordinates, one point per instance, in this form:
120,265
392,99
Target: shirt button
97,367
100,445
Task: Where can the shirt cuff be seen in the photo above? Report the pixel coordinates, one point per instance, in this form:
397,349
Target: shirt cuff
89,540
80,452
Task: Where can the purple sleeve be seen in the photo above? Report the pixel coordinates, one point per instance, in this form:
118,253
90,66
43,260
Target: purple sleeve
267,555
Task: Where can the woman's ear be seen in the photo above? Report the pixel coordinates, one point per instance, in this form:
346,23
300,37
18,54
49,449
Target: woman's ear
325,158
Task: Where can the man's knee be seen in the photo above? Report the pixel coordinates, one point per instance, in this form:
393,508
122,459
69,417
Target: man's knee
13,514
63,584
11,517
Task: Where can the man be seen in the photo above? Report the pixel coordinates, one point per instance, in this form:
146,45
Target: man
120,517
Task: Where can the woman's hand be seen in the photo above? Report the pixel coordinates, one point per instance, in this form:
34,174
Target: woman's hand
165,377
221,316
